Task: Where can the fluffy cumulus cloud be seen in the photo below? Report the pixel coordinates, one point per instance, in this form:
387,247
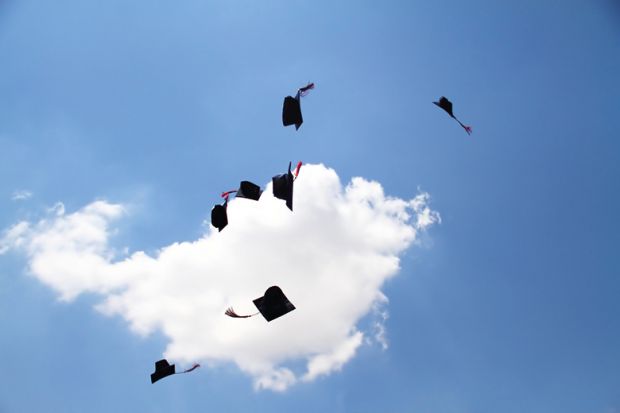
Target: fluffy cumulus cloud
330,257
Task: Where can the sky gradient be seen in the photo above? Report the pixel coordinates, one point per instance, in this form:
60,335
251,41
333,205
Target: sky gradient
509,304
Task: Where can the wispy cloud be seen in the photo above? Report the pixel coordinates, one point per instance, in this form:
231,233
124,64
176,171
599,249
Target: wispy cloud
21,195
381,316
331,258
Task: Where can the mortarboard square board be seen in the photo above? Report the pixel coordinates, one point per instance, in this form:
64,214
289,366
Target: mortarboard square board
291,112
249,190
219,218
445,104
273,304
283,187
162,369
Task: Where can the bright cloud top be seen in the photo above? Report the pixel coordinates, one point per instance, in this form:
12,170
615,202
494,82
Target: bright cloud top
330,257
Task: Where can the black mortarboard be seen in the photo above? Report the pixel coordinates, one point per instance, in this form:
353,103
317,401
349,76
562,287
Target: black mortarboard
291,109
249,190
446,105
273,304
283,187
162,369
219,218
291,112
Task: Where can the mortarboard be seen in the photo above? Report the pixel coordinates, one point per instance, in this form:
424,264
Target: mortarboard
219,217
283,185
273,304
249,190
446,105
291,112
291,109
163,369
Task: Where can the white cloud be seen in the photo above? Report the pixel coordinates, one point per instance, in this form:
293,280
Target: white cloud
330,257
325,363
381,316
21,195
14,237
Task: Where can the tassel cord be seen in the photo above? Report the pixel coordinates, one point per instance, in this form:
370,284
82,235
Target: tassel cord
467,128
230,312
226,194
303,91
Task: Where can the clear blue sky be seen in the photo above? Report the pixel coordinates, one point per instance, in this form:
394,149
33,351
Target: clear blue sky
511,305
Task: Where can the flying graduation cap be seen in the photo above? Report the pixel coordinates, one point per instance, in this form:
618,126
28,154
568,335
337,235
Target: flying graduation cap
446,105
219,217
249,190
272,305
291,110
163,369
283,185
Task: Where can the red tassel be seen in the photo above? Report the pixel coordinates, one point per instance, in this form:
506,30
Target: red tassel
467,128
297,169
231,313
304,90
225,195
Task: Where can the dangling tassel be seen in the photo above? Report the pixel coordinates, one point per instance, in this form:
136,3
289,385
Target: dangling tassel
194,367
467,128
231,313
303,91
297,169
226,194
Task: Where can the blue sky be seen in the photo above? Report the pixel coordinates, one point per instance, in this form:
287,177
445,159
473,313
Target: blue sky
510,304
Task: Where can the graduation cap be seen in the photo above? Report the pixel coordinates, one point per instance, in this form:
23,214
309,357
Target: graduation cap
272,305
446,105
219,217
247,189
283,185
163,369
291,109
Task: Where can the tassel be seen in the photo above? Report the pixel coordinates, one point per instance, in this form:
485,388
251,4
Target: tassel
194,367
225,195
303,91
231,313
467,128
297,169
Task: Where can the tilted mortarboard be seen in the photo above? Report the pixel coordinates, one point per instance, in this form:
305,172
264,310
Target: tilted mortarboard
446,105
219,217
163,369
283,185
291,109
272,305
247,189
